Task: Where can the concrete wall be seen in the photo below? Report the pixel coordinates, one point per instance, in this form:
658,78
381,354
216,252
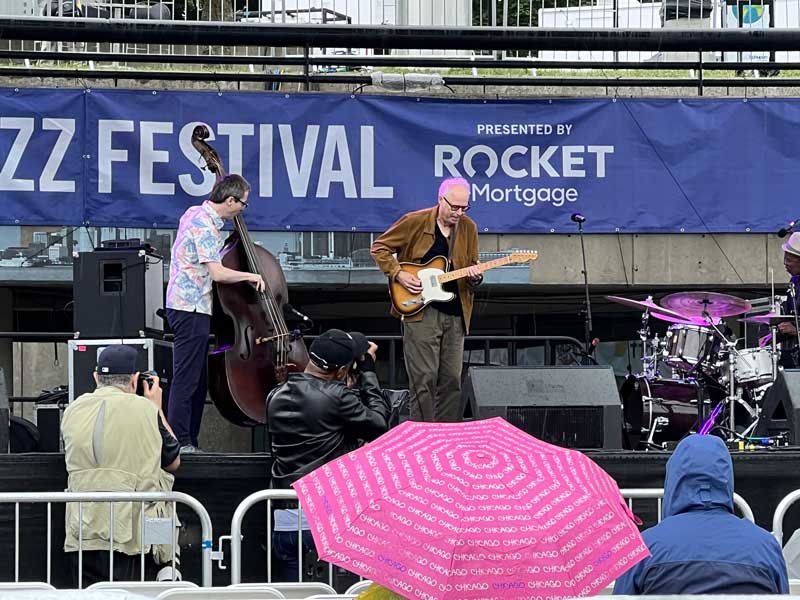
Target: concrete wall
650,260
36,367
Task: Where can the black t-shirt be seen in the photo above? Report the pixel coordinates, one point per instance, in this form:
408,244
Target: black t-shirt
441,247
170,447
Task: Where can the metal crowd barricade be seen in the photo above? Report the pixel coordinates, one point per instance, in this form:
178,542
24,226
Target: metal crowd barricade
269,496
236,533
111,497
780,513
632,494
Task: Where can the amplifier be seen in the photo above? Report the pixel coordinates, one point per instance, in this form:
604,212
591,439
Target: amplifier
153,355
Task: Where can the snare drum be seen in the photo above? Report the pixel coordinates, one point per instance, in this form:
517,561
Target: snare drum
753,367
688,346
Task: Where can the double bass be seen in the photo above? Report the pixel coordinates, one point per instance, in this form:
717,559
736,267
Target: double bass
255,349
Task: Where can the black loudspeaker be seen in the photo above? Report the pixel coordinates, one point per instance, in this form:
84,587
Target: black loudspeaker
153,355
48,422
574,407
5,417
118,293
780,414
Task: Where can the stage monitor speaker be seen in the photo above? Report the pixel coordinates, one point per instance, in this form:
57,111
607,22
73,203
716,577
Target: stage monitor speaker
780,414
118,293
574,407
5,416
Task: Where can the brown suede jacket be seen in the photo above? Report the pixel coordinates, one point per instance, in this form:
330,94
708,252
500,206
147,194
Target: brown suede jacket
412,235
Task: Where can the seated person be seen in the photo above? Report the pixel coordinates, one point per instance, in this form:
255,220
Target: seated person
701,546
314,418
116,441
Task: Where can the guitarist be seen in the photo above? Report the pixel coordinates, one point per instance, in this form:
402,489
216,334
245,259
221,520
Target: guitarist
433,340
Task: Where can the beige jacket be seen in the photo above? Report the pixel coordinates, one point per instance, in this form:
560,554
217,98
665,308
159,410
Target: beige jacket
413,235
112,444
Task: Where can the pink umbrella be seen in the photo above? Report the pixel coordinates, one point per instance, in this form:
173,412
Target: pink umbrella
479,510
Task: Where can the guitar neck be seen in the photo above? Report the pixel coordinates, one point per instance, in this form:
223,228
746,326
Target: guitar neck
482,267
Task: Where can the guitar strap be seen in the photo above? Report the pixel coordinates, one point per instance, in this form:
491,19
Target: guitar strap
451,244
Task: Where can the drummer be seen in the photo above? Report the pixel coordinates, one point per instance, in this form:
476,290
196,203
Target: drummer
787,332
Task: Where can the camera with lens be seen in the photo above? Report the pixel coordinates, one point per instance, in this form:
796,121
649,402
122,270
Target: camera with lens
144,376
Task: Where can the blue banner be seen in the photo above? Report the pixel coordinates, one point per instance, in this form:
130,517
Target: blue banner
41,148
356,163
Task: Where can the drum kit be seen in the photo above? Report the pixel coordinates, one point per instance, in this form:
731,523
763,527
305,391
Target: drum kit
712,382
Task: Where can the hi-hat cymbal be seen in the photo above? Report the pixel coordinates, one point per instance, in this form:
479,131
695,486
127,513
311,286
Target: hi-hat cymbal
768,319
654,309
703,304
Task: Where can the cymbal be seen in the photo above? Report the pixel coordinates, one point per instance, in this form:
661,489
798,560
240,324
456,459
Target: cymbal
768,319
699,321
650,306
701,304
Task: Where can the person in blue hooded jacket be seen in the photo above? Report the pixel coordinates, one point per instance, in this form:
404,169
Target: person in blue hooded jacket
701,546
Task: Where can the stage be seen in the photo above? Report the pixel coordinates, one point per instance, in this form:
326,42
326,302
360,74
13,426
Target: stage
221,481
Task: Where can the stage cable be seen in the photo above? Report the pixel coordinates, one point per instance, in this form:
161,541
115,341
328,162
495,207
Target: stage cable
622,258
682,191
54,242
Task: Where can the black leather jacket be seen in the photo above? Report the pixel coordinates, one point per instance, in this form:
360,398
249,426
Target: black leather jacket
312,421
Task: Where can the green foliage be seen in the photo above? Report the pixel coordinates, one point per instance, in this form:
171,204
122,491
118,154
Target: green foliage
520,13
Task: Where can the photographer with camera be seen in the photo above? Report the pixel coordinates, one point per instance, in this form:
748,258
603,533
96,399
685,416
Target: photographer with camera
366,352
313,418
116,441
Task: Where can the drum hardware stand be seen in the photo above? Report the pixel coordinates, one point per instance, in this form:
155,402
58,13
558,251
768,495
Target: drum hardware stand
657,425
754,413
773,329
732,397
793,295
649,358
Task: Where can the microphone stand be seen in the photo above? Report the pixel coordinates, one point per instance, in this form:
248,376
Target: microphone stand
793,294
588,312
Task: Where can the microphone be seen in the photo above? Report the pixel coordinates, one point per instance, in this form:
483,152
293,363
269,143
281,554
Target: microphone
289,308
784,230
577,218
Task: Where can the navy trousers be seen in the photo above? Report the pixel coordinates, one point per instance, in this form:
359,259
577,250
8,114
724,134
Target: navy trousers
187,391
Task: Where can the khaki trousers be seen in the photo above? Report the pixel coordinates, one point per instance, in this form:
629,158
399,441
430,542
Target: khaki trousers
434,351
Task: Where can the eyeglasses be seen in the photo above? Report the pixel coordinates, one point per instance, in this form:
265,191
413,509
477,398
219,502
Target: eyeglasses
456,208
244,203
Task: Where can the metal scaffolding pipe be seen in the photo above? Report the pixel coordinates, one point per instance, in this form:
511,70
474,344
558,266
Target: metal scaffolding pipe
387,37
383,61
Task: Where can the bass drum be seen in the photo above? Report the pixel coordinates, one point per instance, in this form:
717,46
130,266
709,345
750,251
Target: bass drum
667,408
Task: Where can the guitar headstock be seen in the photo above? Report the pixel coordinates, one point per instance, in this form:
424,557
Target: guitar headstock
522,256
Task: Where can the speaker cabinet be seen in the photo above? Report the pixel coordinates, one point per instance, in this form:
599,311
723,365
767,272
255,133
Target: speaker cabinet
5,417
152,355
118,293
781,409
574,407
48,421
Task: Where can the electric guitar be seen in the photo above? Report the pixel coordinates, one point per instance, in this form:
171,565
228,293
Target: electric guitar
434,274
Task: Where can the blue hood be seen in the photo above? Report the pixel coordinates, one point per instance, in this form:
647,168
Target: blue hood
699,477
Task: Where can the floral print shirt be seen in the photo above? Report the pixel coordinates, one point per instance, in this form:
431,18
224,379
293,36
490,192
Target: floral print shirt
198,242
